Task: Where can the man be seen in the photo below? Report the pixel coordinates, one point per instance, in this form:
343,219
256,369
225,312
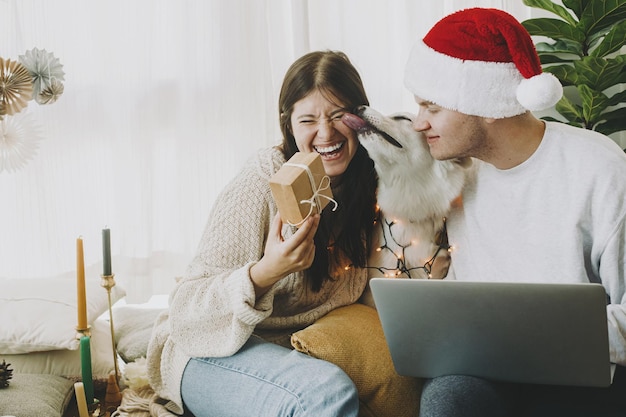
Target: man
547,203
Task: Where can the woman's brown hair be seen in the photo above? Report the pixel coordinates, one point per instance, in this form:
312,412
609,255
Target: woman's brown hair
346,232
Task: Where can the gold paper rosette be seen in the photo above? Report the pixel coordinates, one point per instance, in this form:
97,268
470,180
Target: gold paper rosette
47,74
51,93
19,140
16,87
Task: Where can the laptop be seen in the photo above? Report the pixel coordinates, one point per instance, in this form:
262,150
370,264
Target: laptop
505,331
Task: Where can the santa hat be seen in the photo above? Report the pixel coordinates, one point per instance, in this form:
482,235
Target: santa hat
481,62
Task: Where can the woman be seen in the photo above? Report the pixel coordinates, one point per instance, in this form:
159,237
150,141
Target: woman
223,347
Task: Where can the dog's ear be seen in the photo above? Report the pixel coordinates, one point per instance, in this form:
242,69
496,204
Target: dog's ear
463,162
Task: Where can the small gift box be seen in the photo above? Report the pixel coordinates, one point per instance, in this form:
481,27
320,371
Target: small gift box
301,188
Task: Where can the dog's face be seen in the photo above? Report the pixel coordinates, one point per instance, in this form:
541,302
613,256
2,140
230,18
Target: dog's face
391,142
409,176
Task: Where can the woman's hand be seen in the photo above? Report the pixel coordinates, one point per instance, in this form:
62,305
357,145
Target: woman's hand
282,257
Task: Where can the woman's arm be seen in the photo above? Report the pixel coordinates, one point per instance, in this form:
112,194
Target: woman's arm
213,310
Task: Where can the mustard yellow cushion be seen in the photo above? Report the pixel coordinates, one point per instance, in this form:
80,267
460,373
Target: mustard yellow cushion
352,338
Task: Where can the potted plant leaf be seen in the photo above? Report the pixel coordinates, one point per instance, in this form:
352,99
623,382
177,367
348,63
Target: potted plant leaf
585,55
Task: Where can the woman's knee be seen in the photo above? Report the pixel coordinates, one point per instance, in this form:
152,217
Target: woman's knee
328,390
273,382
335,377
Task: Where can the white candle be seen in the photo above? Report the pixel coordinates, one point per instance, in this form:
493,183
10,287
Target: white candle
81,401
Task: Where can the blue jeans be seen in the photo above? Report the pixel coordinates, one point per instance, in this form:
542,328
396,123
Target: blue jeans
267,380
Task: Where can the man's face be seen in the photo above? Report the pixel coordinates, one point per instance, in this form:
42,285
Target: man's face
450,134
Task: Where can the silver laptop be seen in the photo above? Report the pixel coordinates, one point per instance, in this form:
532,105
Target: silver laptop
516,332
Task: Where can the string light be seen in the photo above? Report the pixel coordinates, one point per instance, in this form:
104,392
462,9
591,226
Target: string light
401,265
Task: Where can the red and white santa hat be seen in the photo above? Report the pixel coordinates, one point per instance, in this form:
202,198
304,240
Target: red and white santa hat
481,62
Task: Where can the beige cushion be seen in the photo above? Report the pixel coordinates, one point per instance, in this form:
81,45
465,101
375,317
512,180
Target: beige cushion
40,314
65,362
133,329
32,395
352,338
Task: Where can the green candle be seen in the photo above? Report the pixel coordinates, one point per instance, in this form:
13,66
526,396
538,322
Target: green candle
106,252
85,363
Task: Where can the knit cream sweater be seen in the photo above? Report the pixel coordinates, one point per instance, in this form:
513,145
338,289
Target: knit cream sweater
213,310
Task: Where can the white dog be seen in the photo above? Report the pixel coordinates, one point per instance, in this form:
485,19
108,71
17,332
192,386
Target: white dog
414,194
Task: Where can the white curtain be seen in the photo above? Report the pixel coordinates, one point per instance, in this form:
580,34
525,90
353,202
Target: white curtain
164,101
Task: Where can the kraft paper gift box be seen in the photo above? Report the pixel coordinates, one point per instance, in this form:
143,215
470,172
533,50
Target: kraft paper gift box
294,192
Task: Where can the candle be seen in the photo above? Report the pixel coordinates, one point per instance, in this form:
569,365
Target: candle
106,252
81,401
80,286
85,366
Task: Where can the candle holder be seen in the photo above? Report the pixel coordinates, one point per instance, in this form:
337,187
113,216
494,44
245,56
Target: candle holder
108,282
83,332
95,409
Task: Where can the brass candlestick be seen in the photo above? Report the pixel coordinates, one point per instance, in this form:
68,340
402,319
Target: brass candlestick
83,332
108,282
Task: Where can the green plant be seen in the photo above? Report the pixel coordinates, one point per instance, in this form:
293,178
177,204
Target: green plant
585,57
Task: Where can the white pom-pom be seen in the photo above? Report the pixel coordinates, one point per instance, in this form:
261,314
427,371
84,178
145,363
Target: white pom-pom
539,92
136,374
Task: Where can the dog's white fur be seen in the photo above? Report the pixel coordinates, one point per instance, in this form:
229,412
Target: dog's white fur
414,194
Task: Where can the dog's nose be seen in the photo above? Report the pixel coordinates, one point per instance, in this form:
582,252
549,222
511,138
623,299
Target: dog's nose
359,110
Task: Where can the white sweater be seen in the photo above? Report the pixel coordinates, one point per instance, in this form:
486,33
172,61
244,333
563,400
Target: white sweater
212,310
557,217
